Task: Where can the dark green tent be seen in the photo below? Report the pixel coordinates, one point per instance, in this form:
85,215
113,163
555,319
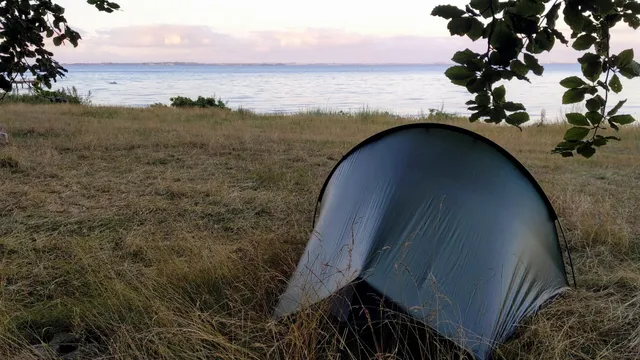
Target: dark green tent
442,222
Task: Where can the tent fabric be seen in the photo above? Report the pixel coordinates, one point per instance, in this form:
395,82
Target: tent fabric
444,223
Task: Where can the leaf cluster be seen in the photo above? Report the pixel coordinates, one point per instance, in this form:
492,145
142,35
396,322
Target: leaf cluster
24,26
516,31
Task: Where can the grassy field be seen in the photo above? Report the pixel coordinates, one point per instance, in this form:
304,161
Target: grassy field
169,234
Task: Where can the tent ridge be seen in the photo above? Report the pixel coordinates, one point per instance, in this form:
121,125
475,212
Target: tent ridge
427,126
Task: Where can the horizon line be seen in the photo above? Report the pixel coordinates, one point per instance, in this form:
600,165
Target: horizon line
273,63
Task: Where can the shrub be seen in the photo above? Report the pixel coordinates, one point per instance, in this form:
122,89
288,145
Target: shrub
201,102
37,95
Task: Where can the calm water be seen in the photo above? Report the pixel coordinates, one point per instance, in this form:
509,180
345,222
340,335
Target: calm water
400,89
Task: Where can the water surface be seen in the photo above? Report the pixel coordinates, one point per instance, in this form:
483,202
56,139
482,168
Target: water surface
400,89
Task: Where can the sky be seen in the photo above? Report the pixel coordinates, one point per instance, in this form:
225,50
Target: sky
289,31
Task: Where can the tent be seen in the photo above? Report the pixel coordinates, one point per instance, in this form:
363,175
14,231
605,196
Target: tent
442,222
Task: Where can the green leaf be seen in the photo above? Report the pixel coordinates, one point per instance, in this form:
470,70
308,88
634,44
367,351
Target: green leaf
632,6
485,7
573,96
613,125
572,82
529,8
588,58
477,115
459,26
599,141
544,40
517,118
632,20
519,67
616,108
5,84
459,72
506,74
625,58
605,7
496,115
560,36
483,99
512,106
586,150
73,42
461,82
631,71
589,26
584,42
491,76
477,28
615,84
533,48
594,117
595,103
476,64
447,11
476,85
613,19
533,64
577,119
576,133
520,24
57,41
553,15
592,70
503,38
574,18
499,94
622,119
464,56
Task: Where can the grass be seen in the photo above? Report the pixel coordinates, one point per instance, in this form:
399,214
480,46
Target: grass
169,234
41,96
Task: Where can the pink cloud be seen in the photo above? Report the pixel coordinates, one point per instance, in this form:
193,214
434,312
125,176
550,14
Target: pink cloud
204,44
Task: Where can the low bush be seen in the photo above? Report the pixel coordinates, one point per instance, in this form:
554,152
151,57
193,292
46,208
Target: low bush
201,102
37,95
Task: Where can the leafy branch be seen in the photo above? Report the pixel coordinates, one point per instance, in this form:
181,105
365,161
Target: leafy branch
517,31
24,24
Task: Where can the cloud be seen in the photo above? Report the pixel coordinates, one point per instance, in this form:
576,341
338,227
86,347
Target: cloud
157,43
167,36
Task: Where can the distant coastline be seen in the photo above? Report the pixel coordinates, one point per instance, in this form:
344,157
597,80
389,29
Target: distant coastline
179,63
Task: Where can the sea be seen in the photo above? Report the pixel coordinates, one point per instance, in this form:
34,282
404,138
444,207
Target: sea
407,90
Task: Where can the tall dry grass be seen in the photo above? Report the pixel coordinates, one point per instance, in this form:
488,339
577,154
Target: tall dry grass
169,234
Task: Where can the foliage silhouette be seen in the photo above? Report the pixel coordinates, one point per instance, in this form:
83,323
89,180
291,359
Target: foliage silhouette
518,30
24,24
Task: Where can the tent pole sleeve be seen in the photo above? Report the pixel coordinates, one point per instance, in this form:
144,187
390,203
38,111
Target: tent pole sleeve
573,272
315,213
